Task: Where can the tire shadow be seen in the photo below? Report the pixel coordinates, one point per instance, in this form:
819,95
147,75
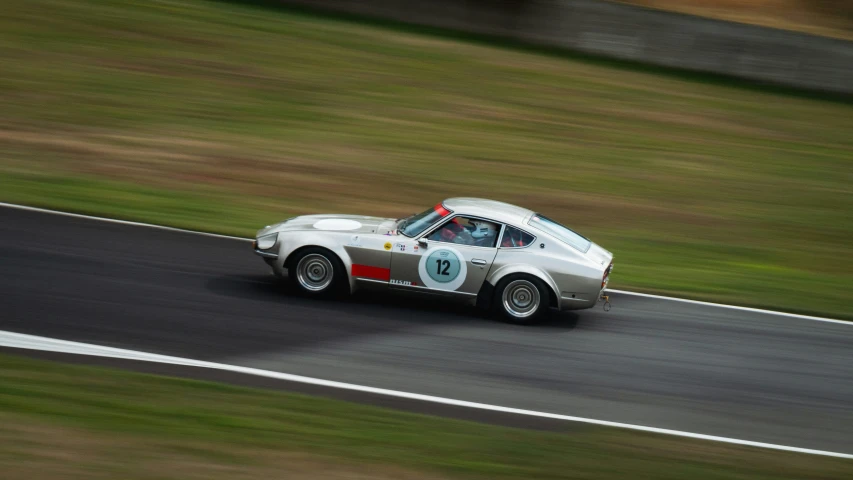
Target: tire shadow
394,305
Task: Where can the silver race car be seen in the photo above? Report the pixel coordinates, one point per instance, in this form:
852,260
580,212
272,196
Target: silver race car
484,252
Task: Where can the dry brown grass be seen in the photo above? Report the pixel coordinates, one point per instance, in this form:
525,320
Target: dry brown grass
832,18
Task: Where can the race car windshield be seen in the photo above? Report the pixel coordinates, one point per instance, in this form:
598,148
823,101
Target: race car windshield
414,225
562,233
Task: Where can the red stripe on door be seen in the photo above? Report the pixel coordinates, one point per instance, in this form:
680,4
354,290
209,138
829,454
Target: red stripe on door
376,273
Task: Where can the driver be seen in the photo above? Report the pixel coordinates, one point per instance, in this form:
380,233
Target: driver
478,233
484,233
454,232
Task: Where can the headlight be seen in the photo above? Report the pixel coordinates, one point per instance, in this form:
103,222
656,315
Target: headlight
267,241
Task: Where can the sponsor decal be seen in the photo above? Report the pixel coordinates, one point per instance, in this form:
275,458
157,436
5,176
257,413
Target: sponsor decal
443,269
368,271
387,246
354,241
404,282
400,247
415,248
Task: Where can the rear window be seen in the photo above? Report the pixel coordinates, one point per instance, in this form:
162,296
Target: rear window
515,238
562,233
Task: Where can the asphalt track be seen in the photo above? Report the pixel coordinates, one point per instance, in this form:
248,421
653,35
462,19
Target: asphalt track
652,362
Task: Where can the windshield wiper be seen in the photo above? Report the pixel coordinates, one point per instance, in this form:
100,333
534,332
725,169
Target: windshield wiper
402,223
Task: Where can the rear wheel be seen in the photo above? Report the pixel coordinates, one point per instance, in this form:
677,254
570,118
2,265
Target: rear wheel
521,299
317,272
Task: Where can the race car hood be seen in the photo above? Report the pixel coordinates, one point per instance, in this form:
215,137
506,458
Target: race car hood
333,223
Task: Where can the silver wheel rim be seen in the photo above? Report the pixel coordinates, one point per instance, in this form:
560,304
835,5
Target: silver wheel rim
314,272
521,298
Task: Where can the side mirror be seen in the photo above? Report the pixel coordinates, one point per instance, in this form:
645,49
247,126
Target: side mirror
422,242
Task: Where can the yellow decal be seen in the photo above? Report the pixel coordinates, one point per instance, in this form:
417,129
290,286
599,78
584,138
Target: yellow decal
387,245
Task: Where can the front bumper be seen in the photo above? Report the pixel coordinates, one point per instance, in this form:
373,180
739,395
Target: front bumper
264,253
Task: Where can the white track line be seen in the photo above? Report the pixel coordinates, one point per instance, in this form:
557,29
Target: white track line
120,222
31,342
733,307
623,292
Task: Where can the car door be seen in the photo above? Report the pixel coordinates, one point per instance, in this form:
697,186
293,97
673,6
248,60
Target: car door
436,263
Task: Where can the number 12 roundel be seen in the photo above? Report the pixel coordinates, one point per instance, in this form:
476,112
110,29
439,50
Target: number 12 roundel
443,269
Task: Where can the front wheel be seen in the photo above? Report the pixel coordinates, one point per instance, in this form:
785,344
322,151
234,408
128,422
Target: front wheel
317,272
521,299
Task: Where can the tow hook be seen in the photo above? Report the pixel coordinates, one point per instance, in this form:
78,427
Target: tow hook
606,299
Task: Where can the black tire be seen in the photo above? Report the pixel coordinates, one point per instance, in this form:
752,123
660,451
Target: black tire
512,294
317,272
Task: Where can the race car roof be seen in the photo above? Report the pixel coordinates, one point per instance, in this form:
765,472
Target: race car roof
500,211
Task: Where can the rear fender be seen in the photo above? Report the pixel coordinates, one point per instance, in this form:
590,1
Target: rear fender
498,274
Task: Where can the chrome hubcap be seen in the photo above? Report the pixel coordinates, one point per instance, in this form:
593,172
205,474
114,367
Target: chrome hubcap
521,298
314,272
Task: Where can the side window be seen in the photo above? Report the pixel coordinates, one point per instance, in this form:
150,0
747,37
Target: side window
467,231
515,238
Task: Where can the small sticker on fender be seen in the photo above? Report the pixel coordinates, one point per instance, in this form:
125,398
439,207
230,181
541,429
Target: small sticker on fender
354,241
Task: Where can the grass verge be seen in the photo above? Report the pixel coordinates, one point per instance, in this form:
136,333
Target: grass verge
65,421
226,117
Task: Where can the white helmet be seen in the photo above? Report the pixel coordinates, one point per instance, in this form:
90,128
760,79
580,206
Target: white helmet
483,229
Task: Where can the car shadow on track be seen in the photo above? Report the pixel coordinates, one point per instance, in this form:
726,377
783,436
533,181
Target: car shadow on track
395,306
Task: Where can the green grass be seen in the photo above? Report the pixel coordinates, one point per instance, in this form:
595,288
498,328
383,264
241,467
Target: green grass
224,117
86,420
